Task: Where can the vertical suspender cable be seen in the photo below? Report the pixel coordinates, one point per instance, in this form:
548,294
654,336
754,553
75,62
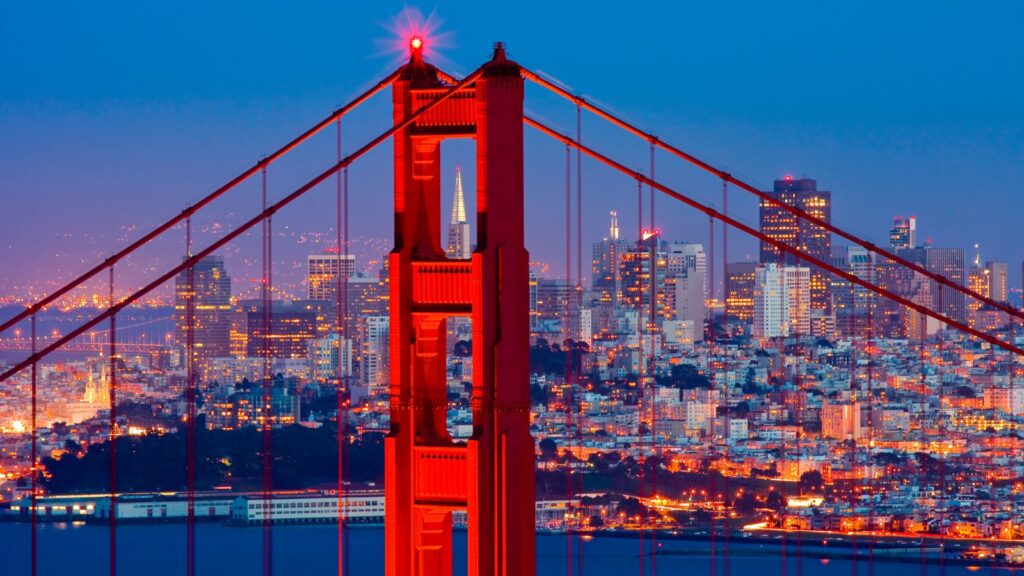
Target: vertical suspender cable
266,392
640,368
33,472
112,397
577,310
656,239
567,331
725,241
190,410
340,392
709,270
871,438
725,385
851,487
653,225
922,332
344,295
943,510
579,205
652,453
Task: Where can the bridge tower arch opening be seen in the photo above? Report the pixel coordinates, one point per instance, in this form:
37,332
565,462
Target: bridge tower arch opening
428,475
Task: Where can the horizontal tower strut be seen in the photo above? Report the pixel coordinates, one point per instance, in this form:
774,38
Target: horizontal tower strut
188,212
268,212
639,176
799,213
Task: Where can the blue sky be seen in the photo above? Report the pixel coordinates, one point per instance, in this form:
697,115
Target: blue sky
118,115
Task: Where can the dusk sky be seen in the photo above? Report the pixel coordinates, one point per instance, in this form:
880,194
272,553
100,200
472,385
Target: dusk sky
114,116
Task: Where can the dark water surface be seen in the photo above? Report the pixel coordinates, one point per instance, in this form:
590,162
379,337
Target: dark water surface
159,549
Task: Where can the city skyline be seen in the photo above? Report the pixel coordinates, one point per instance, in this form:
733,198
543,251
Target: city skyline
481,331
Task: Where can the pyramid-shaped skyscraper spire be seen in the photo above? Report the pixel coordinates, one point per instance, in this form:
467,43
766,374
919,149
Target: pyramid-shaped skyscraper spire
459,205
458,228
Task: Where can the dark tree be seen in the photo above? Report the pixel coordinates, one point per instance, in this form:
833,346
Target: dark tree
812,481
548,449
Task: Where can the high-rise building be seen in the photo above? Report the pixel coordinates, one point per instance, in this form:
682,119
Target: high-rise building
685,287
840,420
739,290
374,370
458,228
856,307
979,280
367,296
607,260
781,301
815,241
997,275
553,302
895,278
917,326
637,284
330,357
948,262
689,303
687,259
211,308
903,233
291,328
322,272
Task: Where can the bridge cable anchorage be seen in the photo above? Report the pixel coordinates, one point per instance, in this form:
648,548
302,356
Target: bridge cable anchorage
779,244
764,197
246,226
193,209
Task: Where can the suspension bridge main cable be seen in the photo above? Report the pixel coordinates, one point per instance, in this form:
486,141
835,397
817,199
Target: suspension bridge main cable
796,211
202,203
849,277
790,250
189,262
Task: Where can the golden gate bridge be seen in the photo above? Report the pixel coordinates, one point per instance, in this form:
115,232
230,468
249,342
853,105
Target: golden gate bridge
428,476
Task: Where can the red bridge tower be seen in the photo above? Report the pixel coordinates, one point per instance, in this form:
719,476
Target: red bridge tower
491,476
